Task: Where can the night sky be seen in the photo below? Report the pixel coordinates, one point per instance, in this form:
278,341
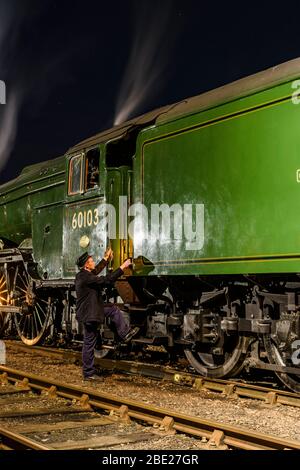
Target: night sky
66,63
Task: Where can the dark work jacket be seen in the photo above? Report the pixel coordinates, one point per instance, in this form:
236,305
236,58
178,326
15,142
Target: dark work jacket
89,286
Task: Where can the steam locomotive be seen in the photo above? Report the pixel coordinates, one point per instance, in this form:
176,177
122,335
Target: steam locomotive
216,277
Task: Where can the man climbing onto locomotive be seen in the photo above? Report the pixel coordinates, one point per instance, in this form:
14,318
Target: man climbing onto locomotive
91,311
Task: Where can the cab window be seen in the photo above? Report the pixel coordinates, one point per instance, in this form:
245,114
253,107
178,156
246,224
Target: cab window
75,171
92,169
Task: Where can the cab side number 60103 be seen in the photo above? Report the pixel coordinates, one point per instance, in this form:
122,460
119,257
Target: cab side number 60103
85,219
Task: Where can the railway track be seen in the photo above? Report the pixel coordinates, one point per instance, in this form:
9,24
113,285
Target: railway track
71,421
15,441
228,388
114,410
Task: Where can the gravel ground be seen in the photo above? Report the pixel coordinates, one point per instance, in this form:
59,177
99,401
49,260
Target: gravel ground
281,421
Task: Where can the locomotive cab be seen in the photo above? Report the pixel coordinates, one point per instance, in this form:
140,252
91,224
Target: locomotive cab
96,180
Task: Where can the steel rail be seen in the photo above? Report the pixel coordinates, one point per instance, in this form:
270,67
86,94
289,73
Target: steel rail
232,436
14,441
229,388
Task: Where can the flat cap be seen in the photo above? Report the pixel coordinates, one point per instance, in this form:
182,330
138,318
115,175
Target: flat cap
82,260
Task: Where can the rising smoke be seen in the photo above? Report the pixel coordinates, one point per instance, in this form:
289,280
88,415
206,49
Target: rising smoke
146,69
24,74
9,110
8,128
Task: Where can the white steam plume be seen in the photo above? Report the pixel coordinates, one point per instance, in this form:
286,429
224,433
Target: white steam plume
8,128
8,111
148,59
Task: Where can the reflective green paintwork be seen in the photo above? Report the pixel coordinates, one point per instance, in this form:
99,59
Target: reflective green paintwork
240,161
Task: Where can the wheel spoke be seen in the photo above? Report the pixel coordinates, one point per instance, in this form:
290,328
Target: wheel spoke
38,315
7,279
26,278
15,276
21,279
23,290
4,317
25,322
41,309
22,319
33,322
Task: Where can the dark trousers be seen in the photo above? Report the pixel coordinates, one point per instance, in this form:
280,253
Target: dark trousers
90,333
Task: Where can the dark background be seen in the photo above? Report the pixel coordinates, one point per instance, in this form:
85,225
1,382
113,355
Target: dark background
64,62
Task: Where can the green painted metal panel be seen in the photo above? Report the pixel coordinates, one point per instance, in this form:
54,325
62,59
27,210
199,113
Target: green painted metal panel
47,229
38,185
240,161
83,231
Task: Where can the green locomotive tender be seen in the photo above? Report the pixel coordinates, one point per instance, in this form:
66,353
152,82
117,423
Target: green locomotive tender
209,190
